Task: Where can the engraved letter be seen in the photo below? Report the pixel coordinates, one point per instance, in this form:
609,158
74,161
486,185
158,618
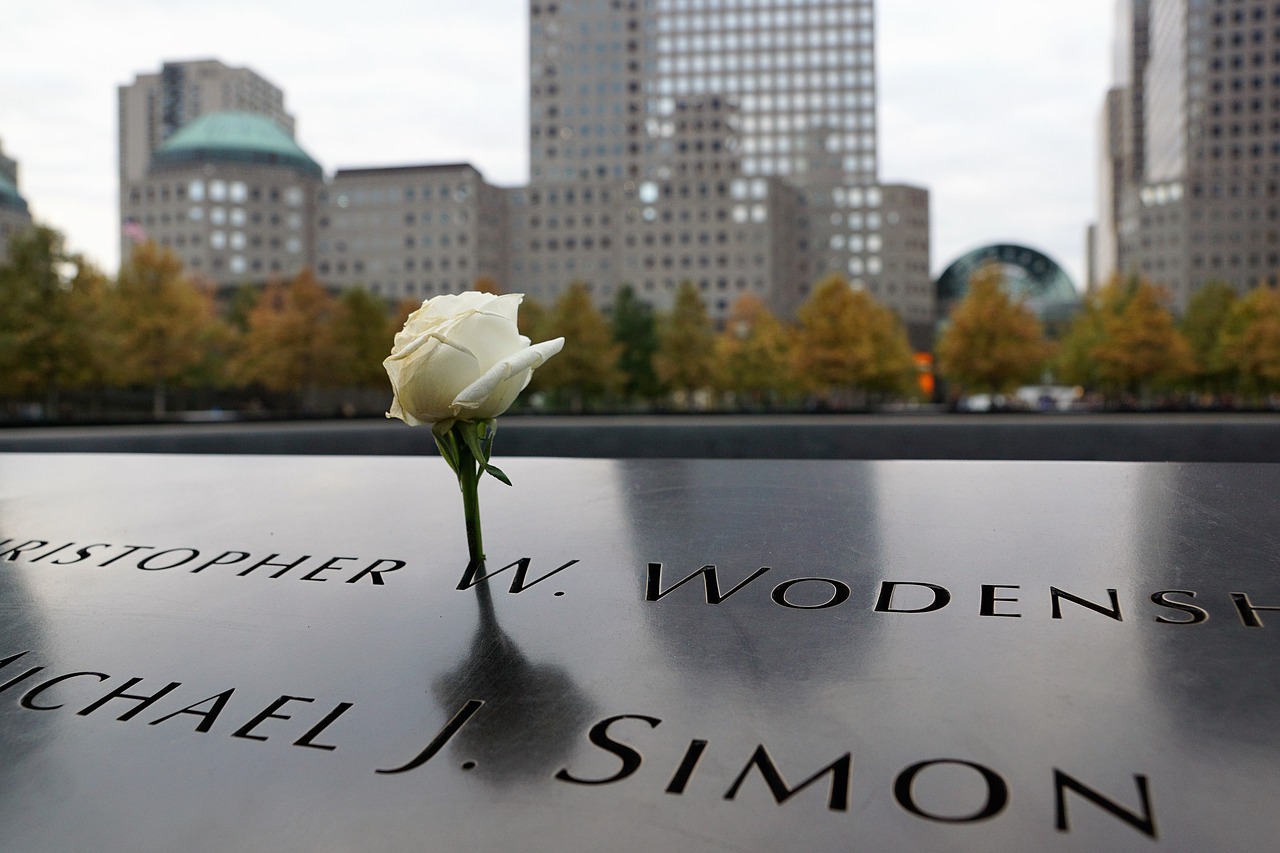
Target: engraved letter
840,769
884,604
997,792
1198,614
599,735
653,590
1146,823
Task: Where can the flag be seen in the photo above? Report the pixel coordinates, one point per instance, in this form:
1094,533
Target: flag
134,231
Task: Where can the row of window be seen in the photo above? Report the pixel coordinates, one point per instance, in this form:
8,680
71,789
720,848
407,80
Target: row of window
388,242
801,97
358,266
238,264
1239,16
219,238
428,287
235,192
768,19
364,221
458,193
797,40
718,5
237,217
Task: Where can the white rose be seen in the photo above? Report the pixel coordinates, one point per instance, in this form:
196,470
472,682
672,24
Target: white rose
461,357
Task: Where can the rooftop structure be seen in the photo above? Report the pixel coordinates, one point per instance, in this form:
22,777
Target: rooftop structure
232,195
1026,274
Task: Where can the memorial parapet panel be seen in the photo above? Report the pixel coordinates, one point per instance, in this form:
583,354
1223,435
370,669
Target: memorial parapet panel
243,653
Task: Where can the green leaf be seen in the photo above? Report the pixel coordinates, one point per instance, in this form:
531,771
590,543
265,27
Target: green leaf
479,438
496,472
447,444
469,435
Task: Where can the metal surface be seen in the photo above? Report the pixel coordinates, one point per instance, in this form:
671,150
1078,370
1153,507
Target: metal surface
605,708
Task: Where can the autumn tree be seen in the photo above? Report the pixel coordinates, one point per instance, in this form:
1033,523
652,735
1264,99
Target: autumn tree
635,330
752,352
1125,341
685,360
1249,342
1142,347
847,342
992,344
161,321
363,335
51,335
292,341
587,367
1075,361
1201,325
534,322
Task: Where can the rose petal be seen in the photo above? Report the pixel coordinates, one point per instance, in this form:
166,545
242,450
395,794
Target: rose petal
507,305
428,380
489,337
491,394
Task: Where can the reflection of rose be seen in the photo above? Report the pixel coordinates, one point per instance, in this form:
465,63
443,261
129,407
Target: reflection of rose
461,357
533,712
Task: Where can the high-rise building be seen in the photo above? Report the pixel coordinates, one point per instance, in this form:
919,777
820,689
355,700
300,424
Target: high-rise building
14,215
232,195
156,106
210,169
730,144
1192,166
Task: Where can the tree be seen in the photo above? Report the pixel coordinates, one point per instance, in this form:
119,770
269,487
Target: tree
1249,342
992,344
1125,341
1201,325
51,336
160,321
685,360
636,331
752,352
292,343
1075,362
363,335
1142,348
587,366
848,342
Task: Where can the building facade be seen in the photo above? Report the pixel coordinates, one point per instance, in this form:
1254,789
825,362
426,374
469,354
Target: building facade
411,232
736,142
1194,198
156,106
15,217
732,145
233,196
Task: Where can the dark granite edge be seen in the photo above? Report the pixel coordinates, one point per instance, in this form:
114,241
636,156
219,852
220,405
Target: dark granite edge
1145,438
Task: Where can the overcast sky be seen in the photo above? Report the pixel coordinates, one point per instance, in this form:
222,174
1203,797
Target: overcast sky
991,104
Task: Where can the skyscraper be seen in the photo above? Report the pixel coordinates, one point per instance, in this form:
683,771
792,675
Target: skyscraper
210,169
156,106
14,215
1196,159
733,142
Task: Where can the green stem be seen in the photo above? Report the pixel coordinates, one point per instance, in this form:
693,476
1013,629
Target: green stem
469,481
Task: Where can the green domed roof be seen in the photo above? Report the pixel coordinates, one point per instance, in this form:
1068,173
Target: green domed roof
234,138
9,196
